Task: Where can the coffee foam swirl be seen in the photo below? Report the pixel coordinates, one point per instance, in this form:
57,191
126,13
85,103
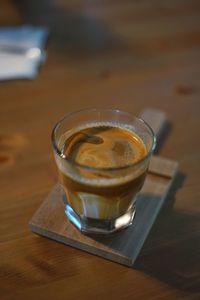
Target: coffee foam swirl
102,145
117,147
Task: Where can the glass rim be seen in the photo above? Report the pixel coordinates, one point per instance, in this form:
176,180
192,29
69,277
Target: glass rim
90,168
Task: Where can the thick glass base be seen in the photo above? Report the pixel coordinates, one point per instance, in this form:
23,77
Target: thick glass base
99,226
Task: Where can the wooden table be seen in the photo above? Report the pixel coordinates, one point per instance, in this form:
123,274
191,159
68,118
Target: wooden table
125,54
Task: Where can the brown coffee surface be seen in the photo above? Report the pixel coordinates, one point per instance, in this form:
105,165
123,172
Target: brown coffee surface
104,147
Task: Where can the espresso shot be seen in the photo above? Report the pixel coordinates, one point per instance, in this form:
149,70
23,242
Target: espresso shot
102,162
102,146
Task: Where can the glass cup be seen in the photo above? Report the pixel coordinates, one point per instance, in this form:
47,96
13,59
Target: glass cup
102,157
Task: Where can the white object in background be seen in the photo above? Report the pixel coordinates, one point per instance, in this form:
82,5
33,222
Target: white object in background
21,51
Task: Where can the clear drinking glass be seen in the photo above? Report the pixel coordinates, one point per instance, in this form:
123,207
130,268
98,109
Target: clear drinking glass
102,157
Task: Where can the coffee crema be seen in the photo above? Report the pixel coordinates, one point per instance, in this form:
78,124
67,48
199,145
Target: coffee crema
104,147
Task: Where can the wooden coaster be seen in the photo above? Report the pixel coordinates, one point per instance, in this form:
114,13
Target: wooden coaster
122,247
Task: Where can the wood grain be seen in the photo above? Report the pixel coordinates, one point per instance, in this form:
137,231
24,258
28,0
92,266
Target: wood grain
124,54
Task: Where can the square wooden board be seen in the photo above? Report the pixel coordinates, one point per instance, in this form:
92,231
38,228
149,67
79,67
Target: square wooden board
122,247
